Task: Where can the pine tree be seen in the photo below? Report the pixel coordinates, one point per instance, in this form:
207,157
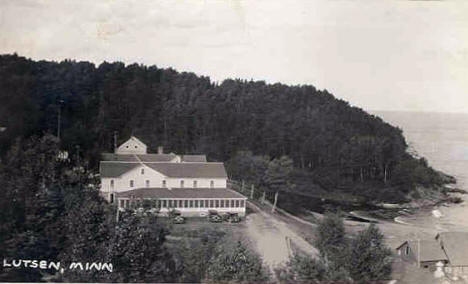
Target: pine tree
369,259
235,265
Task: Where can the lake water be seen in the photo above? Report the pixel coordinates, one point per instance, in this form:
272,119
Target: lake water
442,138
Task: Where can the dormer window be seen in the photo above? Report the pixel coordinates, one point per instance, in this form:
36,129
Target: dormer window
142,171
195,184
147,183
131,183
164,183
212,183
181,184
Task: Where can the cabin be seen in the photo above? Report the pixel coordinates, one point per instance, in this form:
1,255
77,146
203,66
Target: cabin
425,253
448,248
188,183
455,246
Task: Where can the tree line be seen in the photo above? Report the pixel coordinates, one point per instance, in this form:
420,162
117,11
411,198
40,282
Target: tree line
338,145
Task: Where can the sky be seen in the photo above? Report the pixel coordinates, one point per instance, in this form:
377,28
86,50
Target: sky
404,55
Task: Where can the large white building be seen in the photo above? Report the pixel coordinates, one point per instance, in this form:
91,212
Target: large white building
187,183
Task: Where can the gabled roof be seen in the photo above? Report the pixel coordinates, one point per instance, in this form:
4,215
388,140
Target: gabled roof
118,157
157,157
455,245
190,170
135,139
430,250
135,157
115,169
175,170
153,192
193,158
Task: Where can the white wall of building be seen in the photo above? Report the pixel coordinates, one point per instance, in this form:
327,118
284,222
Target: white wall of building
132,146
155,179
198,211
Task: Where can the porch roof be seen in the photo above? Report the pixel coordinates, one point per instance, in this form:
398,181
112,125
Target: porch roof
180,193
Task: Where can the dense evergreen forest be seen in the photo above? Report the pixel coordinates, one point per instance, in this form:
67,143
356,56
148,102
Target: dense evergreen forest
334,145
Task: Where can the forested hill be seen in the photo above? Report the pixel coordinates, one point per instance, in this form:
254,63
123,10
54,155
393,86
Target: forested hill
339,144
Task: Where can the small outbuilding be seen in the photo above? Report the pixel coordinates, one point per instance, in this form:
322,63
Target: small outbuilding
425,253
450,248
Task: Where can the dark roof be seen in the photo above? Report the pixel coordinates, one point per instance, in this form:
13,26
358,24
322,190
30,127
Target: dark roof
115,169
430,250
153,192
137,157
194,158
190,170
455,245
176,170
156,157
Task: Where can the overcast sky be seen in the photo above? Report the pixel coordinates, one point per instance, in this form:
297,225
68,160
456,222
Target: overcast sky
376,54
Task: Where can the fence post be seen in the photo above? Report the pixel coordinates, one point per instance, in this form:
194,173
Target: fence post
274,204
251,191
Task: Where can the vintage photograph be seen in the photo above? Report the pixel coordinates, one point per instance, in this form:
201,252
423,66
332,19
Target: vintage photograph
234,141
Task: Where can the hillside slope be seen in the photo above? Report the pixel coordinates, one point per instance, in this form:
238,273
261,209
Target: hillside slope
331,143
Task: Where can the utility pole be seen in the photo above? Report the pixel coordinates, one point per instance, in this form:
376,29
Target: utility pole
115,140
59,118
419,253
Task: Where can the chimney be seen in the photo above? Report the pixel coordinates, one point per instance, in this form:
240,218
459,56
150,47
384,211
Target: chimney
160,150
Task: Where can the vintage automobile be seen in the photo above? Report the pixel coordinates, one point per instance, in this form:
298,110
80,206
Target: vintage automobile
232,218
214,217
176,217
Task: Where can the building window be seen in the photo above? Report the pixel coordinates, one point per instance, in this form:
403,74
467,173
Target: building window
164,183
195,184
407,250
186,203
216,203
242,203
212,183
147,183
180,203
181,184
122,203
206,204
222,203
191,204
112,184
228,203
237,203
196,203
127,203
170,204
202,203
164,204
211,203
131,183
232,203
142,171
111,198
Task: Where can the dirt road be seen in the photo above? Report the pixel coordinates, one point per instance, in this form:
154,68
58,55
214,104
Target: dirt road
272,237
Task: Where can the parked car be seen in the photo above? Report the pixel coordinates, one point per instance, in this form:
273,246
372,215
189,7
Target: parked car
214,217
178,220
232,218
176,217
